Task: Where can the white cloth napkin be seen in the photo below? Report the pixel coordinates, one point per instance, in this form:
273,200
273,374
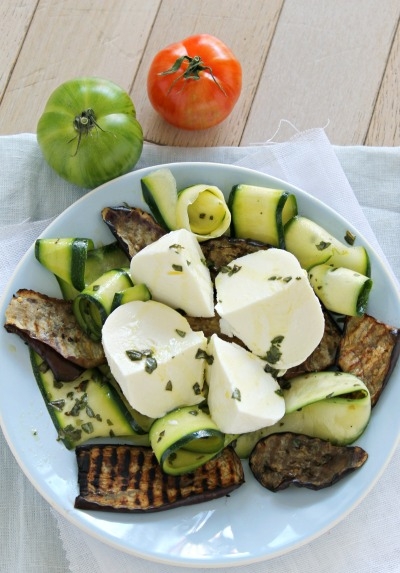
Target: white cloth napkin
366,541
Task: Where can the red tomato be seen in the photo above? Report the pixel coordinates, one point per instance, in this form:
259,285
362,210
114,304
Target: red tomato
194,84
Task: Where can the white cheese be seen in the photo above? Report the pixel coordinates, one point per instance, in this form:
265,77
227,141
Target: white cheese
178,376
267,301
242,397
173,270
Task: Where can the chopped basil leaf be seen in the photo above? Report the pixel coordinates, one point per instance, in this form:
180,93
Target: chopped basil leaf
87,427
151,364
57,405
236,395
349,238
196,388
230,270
203,354
322,245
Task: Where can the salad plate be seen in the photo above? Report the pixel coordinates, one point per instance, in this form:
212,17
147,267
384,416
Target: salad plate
252,524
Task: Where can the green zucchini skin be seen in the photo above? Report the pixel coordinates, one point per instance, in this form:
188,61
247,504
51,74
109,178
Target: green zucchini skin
85,409
341,290
93,305
75,262
184,439
330,405
160,193
103,259
135,292
312,245
65,257
260,213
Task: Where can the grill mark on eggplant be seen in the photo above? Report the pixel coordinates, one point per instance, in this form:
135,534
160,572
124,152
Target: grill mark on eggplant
132,227
279,460
139,484
369,349
49,325
221,251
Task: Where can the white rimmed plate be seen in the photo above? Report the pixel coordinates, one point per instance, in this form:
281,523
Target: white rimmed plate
252,524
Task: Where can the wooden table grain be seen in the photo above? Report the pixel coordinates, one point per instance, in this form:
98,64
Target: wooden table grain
306,63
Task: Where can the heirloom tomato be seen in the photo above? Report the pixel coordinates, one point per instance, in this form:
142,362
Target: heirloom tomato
195,83
88,132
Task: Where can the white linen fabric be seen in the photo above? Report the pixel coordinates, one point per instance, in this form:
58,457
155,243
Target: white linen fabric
363,184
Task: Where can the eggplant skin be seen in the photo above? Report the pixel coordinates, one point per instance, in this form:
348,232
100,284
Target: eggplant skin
280,460
126,478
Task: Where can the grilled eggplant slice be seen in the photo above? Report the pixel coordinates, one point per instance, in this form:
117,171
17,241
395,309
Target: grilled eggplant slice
132,227
49,326
279,460
369,349
220,251
126,478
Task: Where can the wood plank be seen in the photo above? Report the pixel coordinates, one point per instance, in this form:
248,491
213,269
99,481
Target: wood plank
385,124
14,23
324,69
246,30
70,39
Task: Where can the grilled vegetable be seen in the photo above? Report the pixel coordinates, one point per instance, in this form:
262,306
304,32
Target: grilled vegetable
313,245
76,263
93,305
136,292
65,257
221,251
202,209
260,213
161,195
328,405
132,227
128,478
369,350
85,409
341,290
280,460
49,326
184,439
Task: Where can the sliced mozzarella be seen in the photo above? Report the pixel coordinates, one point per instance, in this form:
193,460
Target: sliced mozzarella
267,301
173,270
175,378
242,397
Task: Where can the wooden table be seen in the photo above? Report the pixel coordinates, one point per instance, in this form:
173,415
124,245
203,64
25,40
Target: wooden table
314,63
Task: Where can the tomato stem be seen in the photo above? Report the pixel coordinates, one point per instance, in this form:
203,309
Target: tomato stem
192,72
83,123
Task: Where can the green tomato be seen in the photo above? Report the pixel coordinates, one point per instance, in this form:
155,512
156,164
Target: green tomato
89,133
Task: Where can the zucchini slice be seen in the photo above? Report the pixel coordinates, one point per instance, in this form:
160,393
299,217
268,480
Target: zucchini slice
331,405
85,409
160,193
103,259
185,439
312,245
135,292
93,305
202,209
341,290
65,257
260,213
